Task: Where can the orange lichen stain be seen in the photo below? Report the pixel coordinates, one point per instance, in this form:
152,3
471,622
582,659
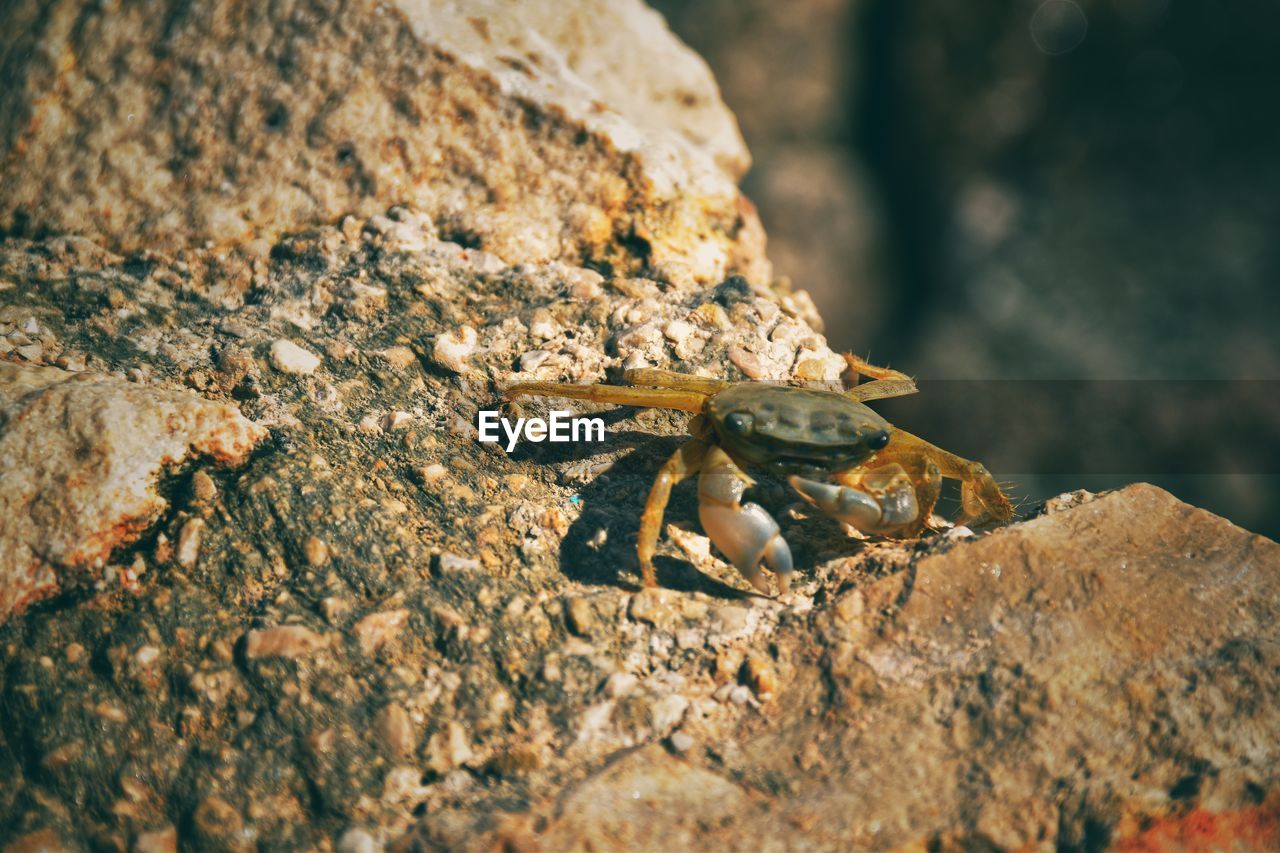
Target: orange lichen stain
1253,828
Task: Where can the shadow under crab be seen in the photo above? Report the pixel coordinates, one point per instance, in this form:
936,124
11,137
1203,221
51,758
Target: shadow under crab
878,479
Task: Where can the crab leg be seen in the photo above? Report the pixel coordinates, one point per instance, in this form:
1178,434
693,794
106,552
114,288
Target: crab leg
981,499
657,398
670,379
744,533
684,463
886,382
878,500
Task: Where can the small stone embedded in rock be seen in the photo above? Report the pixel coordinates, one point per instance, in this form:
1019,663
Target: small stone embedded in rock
396,421
288,357
396,730
316,551
401,358
189,542
651,605
452,349
759,676
203,489
619,684
681,742
358,840
377,629
449,748
163,840
448,563
99,444
285,641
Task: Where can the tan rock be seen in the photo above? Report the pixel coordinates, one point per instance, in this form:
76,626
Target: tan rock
377,629
81,455
573,125
284,641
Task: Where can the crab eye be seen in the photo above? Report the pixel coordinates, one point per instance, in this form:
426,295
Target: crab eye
876,440
739,423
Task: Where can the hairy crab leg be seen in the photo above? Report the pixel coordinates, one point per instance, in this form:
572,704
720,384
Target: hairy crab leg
886,382
684,463
981,499
744,533
653,398
657,378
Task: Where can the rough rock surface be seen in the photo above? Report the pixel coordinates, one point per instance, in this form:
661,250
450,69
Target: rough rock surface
81,454
378,630
532,130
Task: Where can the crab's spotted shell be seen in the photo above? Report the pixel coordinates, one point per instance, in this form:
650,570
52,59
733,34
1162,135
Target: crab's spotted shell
795,427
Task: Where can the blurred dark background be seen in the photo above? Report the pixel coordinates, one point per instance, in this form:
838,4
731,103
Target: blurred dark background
1039,190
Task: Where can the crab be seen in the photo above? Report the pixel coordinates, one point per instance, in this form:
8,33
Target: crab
838,455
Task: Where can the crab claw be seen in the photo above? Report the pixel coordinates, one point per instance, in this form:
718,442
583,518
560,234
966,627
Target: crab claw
748,536
885,501
744,533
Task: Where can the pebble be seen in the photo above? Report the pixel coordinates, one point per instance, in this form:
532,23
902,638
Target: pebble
681,742
189,542
448,563
452,349
288,357
147,655
581,616
542,326
285,641
395,728
533,360
32,352
760,676
357,840
396,420
216,819
317,552
619,684
748,362
377,629
203,487
668,711
648,605
677,330
449,748
163,840
733,620
400,358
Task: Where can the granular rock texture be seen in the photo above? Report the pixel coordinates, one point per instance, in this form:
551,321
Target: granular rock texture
374,629
535,131
81,455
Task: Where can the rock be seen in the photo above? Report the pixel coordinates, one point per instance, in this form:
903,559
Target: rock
316,551
616,806
163,840
451,350
449,748
189,543
285,641
396,730
1086,648
621,125
82,454
1102,670
378,629
288,357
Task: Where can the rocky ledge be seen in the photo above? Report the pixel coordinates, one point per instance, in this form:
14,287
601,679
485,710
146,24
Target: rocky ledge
263,587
